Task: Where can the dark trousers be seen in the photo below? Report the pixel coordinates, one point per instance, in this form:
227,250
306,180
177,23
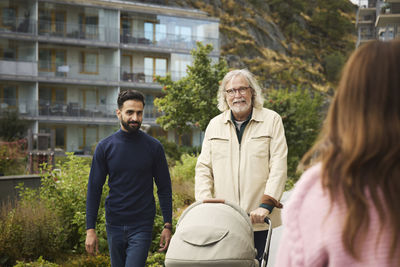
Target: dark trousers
128,245
260,238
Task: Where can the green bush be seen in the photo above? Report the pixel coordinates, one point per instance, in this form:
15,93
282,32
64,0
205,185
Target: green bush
63,191
12,127
171,150
333,64
155,260
100,260
40,262
29,230
182,176
301,115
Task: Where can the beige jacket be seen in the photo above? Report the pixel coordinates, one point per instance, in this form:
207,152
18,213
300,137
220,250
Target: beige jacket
244,173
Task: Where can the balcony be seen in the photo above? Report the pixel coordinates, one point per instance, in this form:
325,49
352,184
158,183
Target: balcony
19,25
78,73
69,112
165,41
18,68
141,76
75,32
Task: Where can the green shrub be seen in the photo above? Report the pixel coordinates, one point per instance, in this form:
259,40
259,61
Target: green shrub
11,165
40,262
12,127
29,230
333,64
171,150
64,192
100,260
301,115
155,260
182,176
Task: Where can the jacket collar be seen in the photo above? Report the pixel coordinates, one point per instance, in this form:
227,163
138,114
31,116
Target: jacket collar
256,116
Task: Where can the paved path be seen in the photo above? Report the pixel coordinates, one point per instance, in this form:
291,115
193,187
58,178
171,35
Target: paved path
276,235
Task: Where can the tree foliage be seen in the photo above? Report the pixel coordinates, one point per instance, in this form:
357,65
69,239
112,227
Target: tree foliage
301,115
11,126
191,100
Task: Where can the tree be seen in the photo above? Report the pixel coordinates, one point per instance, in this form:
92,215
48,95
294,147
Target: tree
192,100
12,127
301,112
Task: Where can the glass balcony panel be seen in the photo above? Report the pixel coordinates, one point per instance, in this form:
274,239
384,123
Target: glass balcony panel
20,25
97,72
90,32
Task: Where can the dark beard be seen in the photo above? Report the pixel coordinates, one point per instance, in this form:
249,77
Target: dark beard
131,128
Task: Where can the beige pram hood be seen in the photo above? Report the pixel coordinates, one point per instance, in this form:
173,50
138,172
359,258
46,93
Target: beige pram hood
212,234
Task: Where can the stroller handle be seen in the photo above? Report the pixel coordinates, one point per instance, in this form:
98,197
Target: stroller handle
214,200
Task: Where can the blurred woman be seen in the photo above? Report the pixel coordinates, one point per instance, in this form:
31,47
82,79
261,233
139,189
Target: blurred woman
345,210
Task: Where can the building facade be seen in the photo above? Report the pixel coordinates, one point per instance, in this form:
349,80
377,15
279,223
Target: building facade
378,19
63,63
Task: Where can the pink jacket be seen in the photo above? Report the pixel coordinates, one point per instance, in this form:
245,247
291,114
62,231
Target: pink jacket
312,232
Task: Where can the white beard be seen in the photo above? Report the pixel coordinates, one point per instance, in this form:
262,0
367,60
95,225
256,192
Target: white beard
243,107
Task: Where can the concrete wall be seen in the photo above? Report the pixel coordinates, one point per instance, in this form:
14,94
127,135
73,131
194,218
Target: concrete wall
8,184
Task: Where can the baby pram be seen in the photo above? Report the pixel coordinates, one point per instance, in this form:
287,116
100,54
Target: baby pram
214,233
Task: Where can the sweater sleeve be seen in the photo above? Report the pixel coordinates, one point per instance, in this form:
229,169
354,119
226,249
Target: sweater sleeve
97,178
163,182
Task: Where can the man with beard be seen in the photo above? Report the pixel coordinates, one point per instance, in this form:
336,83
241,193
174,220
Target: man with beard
132,160
243,157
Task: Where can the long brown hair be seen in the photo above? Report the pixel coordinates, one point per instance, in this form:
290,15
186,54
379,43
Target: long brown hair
359,146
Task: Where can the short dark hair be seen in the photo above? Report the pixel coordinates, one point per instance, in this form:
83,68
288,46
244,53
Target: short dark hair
129,95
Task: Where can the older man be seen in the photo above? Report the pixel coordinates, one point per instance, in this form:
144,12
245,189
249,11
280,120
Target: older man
244,152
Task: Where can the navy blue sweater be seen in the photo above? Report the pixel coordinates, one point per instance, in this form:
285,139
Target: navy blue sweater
131,160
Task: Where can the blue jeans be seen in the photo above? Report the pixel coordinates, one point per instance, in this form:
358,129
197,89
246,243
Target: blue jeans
128,245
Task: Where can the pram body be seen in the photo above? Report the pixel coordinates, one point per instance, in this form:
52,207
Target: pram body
213,233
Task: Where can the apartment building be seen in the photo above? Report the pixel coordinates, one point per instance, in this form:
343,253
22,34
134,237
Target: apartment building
378,19
63,62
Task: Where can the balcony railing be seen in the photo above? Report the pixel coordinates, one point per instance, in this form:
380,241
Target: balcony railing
140,76
66,110
164,40
78,31
18,67
93,72
20,25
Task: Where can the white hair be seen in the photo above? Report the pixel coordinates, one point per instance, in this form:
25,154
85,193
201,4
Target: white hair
257,101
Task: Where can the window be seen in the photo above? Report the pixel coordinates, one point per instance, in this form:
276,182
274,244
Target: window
8,96
127,63
88,136
8,17
90,62
127,67
8,50
183,33
154,66
88,99
60,134
89,25
52,101
52,21
155,32
126,26
51,59
179,63
184,139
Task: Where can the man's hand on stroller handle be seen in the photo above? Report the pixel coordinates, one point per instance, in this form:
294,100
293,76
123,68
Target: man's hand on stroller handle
258,215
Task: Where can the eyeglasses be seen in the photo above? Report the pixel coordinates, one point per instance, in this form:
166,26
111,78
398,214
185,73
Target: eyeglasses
241,90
